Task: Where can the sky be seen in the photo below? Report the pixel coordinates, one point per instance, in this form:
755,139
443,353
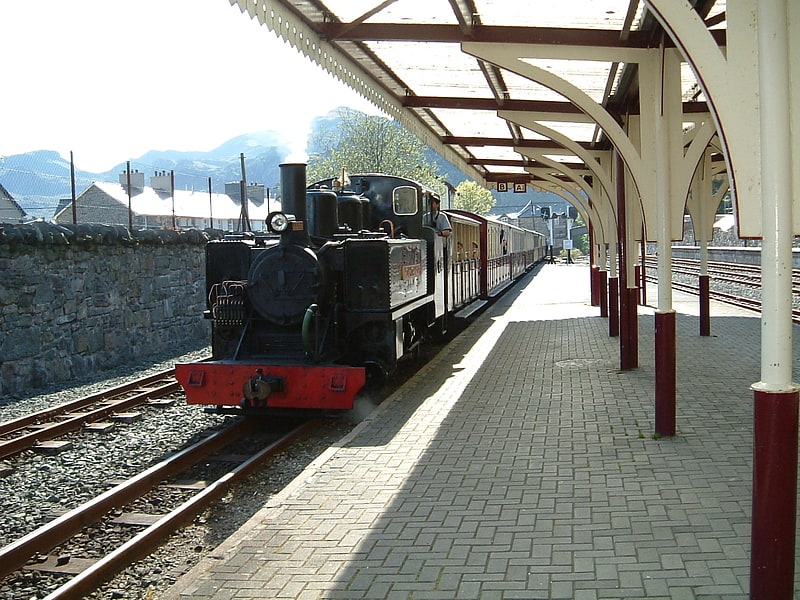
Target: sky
110,80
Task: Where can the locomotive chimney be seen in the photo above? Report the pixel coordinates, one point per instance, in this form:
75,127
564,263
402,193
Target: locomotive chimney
293,189
293,201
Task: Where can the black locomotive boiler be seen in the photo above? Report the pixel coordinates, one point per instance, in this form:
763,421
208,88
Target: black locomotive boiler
347,282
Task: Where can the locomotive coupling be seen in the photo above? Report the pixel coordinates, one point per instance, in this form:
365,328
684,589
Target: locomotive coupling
258,388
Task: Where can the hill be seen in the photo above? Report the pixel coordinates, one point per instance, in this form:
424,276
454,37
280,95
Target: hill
39,180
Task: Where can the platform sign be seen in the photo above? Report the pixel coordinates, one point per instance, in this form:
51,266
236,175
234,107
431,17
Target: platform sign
520,188
567,244
502,186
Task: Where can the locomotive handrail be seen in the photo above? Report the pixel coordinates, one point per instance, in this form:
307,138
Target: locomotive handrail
391,227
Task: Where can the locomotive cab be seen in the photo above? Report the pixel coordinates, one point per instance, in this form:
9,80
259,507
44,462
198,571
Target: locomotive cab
374,202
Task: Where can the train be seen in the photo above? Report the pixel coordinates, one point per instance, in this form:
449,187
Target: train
345,282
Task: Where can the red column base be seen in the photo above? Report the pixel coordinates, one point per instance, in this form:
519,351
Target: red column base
705,305
613,307
603,285
665,373
629,330
774,495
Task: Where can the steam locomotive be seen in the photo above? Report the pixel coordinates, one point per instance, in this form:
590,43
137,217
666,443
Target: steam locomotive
345,283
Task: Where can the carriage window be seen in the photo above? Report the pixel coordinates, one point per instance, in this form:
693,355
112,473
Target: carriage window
404,200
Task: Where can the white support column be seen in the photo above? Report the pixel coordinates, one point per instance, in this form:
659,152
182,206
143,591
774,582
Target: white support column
664,213
776,195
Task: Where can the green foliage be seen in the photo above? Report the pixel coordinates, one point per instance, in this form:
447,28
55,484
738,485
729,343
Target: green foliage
473,197
370,144
582,243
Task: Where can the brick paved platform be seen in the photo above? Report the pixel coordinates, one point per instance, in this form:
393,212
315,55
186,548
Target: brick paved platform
521,463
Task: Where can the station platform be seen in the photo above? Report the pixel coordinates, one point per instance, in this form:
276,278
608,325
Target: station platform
521,463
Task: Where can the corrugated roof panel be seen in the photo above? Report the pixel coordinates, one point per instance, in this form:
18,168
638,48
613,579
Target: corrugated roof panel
472,123
496,170
525,89
348,10
415,11
581,132
419,66
494,152
583,14
691,90
587,75
563,158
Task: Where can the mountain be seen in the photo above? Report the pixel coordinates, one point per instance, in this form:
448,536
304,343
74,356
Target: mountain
263,151
223,161
38,180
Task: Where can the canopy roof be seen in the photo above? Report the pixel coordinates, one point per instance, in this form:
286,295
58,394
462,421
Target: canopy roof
422,61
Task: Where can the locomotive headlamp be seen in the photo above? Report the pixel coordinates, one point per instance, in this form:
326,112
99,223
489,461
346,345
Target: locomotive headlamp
277,222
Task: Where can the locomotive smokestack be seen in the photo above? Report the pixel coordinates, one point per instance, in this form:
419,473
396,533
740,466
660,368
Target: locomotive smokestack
293,193
293,190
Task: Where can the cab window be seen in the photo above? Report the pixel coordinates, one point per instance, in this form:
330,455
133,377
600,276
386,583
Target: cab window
404,200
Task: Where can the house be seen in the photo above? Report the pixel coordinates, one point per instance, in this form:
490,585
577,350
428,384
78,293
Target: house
157,206
10,211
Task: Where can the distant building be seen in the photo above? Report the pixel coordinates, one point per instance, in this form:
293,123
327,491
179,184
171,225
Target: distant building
10,211
526,219
157,206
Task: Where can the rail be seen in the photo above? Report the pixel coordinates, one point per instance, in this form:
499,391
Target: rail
733,275
28,431
17,554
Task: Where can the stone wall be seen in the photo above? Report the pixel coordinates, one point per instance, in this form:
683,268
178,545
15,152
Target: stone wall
73,303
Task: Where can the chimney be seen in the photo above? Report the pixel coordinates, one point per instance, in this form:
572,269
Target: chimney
161,181
293,199
293,189
255,193
137,179
233,190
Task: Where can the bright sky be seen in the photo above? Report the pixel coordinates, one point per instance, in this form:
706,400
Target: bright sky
111,80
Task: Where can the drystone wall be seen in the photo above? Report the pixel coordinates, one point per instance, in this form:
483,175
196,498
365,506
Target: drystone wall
82,299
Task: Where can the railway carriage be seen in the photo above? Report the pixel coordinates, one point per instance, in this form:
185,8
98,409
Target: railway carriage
505,252
464,265
346,282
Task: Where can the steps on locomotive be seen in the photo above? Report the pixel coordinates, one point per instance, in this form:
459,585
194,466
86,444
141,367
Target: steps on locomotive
471,310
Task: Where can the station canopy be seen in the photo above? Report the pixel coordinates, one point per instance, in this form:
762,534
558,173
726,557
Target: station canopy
424,62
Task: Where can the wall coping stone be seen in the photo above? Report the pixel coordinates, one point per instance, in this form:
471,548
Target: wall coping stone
42,233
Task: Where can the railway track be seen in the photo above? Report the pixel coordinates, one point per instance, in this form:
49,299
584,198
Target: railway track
82,557
742,282
35,429
29,552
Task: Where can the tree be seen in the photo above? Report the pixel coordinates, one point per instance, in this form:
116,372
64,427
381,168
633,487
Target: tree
370,144
473,197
